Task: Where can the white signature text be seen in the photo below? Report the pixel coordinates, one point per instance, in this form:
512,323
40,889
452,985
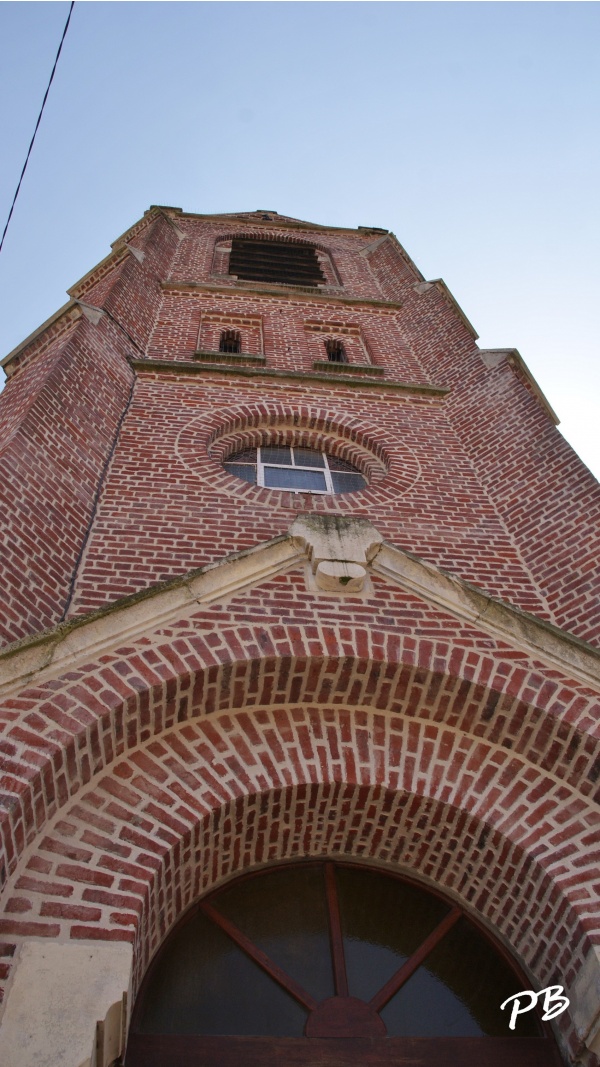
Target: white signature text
553,1003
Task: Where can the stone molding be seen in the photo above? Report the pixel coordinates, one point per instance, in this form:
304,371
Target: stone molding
506,623
82,639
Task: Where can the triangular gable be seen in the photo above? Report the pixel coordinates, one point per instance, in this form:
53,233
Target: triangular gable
339,548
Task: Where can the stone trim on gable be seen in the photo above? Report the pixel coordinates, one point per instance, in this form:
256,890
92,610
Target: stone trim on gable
62,648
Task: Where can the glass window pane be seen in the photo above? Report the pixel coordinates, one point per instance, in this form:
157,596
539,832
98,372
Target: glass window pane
336,464
383,922
281,478
285,914
247,455
347,483
458,992
276,455
308,457
204,984
424,1007
242,470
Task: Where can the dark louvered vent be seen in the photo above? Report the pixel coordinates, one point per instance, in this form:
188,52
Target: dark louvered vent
336,353
231,341
275,261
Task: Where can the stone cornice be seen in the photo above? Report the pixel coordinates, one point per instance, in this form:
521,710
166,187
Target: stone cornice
172,366
276,221
48,655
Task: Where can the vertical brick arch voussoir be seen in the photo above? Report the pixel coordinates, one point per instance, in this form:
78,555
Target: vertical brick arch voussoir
88,719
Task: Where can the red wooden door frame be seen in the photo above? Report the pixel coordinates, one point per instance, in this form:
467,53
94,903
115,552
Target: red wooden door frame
169,1050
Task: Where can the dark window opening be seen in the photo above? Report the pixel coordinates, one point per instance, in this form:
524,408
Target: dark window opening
275,261
282,965
231,341
336,353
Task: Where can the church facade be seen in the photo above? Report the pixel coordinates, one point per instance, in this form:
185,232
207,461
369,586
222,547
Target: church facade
300,613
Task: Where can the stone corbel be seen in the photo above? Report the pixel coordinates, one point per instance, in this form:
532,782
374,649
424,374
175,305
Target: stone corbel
339,549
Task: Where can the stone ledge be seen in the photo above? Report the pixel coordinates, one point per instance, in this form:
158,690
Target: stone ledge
360,382
235,358
330,367
53,651
493,357
504,622
441,287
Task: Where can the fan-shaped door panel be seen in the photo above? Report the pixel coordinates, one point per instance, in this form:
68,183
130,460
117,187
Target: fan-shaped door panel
330,965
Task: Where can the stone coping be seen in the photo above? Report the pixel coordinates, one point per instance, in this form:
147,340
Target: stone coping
492,357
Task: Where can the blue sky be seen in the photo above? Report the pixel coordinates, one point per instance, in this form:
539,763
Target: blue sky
469,129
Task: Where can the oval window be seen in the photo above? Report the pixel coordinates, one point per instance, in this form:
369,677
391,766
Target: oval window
312,963
299,470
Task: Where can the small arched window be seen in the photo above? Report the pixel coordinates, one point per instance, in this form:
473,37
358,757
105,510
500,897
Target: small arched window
230,341
336,353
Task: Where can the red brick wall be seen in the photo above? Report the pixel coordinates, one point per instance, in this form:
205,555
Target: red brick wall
495,494
59,415
168,505
542,492
282,644
422,742
68,403
281,722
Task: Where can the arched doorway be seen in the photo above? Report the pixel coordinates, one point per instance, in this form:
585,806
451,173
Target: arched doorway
330,965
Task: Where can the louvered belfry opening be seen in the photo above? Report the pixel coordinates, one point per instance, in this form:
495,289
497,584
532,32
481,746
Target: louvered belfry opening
336,353
275,261
230,341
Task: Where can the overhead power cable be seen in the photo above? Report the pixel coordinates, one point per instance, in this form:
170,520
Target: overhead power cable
12,208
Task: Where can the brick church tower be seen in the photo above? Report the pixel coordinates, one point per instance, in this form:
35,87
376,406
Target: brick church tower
300,670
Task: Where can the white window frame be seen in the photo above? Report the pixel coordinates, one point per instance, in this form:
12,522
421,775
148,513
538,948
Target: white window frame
260,471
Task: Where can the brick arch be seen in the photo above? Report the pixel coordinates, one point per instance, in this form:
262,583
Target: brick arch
60,734
204,442
211,798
